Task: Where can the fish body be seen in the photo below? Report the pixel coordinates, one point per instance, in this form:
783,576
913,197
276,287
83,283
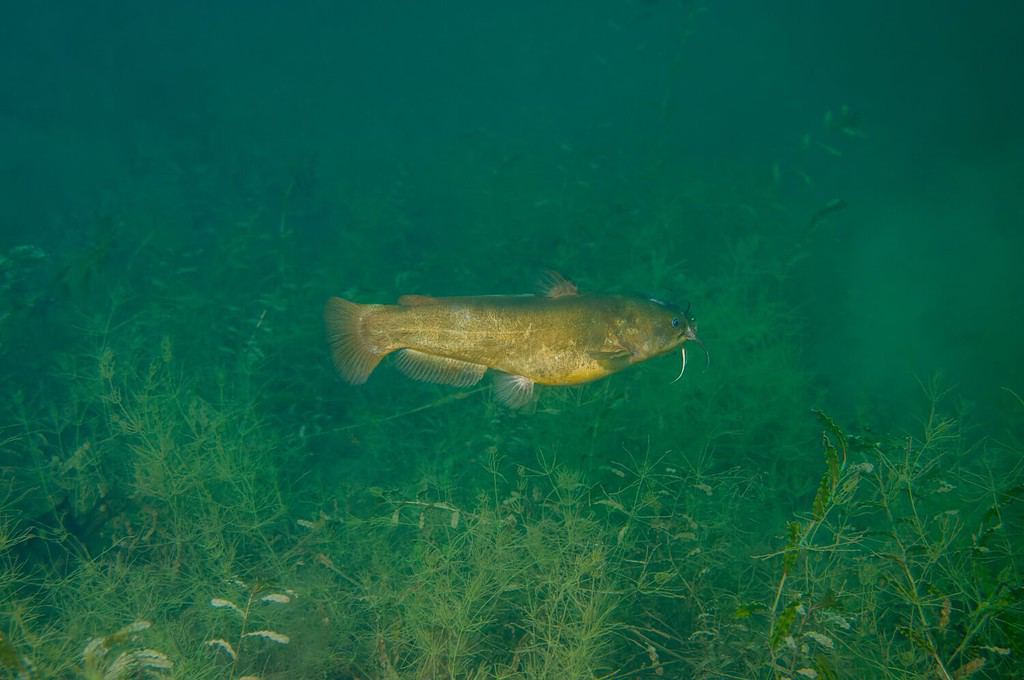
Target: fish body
559,338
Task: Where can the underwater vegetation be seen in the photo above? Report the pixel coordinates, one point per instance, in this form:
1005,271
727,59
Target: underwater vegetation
187,491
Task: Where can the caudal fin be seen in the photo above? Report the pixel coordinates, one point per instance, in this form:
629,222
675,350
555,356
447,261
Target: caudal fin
353,355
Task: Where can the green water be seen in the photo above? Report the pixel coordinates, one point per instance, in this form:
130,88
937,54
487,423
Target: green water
188,490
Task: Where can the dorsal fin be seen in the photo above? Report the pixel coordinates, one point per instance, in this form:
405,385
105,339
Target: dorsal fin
554,285
415,300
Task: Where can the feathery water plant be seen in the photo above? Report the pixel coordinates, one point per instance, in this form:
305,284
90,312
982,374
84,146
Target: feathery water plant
252,620
884,560
99,662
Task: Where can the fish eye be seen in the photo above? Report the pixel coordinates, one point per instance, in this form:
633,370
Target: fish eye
675,322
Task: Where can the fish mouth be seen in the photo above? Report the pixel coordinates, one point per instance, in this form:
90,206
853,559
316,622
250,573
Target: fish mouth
690,333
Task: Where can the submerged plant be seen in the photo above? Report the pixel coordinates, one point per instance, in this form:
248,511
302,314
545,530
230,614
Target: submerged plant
143,471
884,572
12,662
252,626
99,662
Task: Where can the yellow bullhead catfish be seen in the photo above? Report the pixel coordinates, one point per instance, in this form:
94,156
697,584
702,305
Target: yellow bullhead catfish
560,337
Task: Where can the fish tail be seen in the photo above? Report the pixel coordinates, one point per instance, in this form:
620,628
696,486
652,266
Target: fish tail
353,348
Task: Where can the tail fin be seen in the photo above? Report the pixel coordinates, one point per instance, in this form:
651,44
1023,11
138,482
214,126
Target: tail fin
353,356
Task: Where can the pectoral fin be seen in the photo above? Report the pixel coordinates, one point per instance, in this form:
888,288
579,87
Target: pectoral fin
611,355
614,358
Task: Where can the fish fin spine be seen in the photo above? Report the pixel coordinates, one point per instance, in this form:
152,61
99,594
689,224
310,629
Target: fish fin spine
554,285
611,354
437,369
354,355
515,391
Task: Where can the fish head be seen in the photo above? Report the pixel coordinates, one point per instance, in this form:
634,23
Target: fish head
683,325
658,327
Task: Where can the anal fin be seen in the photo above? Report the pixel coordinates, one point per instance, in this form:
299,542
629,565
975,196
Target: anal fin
437,369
